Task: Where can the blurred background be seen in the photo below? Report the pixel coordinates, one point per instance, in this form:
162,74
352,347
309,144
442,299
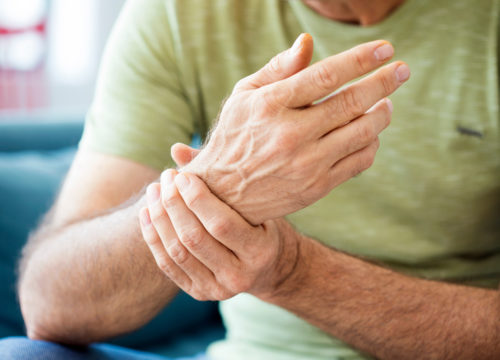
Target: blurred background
49,56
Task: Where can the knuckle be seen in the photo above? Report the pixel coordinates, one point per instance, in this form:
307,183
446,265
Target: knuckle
169,199
287,138
156,214
317,191
359,61
197,295
325,79
221,294
274,65
272,99
177,252
241,84
238,284
351,103
387,84
220,228
287,142
151,241
191,238
370,133
163,263
194,196
366,133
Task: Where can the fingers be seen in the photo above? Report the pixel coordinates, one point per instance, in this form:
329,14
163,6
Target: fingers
183,154
191,232
222,222
281,66
195,271
326,76
353,164
356,99
160,255
358,134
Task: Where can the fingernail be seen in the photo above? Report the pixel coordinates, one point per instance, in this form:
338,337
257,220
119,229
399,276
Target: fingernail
389,105
384,52
402,72
145,219
152,193
182,182
297,44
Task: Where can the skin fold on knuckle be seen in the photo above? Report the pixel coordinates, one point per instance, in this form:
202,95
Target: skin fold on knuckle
194,197
219,227
241,84
156,213
220,294
351,103
388,81
163,263
191,238
366,132
200,294
270,100
325,78
177,253
237,282
363,162
151,240
169,198
274,66
358,58
287,139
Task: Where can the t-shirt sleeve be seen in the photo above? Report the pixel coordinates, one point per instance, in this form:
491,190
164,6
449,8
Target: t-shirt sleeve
140,108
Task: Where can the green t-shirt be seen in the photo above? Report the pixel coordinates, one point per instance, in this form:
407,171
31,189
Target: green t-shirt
429,206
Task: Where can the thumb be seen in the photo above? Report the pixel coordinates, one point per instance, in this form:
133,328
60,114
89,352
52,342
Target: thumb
183,154
283,65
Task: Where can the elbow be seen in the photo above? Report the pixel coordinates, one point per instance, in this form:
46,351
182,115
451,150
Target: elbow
38,328
38,325
45,321
34,333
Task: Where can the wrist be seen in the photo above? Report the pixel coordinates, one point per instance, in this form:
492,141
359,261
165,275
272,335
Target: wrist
226,183
292,266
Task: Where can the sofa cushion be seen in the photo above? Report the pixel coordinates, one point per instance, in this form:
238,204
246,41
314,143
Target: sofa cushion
28,185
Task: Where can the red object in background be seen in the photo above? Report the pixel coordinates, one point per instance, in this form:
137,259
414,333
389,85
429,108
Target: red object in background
23,90
40,28
23,84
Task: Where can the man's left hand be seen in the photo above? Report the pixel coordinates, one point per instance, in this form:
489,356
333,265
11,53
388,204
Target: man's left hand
216,253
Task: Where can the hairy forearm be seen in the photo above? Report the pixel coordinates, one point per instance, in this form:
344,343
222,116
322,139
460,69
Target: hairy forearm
389,315
91,280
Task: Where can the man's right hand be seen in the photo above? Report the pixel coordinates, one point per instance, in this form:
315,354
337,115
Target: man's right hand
275,149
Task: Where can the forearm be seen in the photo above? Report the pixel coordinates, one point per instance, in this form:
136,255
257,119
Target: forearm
91,280
389,315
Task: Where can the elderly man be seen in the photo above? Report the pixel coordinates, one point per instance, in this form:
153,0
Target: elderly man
399,262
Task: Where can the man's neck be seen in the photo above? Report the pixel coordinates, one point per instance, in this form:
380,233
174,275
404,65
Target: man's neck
362,12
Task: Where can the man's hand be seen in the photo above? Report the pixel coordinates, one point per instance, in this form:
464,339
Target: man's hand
274,150
216,253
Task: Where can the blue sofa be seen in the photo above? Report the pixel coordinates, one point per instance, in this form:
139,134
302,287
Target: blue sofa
34,157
